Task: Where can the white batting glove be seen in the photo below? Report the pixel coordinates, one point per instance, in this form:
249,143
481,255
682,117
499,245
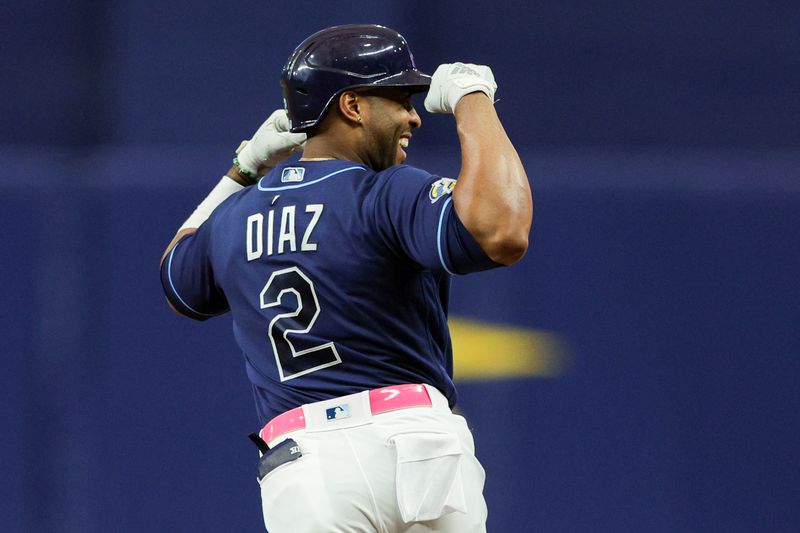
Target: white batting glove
451,81
270,145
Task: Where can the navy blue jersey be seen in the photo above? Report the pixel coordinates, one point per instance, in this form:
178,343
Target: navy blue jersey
337,278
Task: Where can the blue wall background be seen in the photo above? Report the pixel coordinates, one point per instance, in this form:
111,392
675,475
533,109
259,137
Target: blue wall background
663,148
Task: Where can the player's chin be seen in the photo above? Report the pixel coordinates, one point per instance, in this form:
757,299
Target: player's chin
401,156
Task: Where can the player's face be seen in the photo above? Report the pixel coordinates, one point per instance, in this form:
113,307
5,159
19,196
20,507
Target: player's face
392,117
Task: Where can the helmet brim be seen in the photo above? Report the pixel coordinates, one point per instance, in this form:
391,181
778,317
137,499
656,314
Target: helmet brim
415,80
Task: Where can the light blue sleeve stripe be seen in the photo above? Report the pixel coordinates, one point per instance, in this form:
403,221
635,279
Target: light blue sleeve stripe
172,285
439,236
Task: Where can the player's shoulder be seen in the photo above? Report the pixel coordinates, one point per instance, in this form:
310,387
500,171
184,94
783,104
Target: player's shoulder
403,177
404,171
414,181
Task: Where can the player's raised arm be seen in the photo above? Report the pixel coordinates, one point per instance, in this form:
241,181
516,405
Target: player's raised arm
270,144
492,197
186,289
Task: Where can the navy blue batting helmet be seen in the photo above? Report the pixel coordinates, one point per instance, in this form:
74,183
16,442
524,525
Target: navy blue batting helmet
340,58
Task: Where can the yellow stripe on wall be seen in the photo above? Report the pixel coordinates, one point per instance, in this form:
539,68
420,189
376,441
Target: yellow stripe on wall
488,351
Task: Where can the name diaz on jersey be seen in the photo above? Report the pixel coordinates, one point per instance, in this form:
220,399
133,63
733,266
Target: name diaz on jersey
283,236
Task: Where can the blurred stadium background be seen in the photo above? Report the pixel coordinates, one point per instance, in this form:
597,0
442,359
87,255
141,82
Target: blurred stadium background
638,371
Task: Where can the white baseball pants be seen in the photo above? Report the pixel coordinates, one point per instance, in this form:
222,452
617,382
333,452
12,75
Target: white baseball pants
412,470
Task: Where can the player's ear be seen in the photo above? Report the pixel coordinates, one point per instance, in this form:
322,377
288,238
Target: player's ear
350,107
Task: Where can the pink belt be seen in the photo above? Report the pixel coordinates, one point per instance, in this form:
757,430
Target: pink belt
380,401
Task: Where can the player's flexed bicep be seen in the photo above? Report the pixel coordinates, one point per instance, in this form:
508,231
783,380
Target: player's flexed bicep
414,213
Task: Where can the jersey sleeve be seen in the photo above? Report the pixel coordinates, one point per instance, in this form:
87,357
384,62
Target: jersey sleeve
188,278
415,217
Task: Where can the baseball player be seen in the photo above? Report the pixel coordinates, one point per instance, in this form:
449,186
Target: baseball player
336,269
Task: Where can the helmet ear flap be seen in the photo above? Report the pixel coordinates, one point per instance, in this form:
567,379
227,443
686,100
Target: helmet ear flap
296,101
340,58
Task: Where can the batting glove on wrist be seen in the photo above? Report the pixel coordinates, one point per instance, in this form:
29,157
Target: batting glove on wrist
270,145
451,81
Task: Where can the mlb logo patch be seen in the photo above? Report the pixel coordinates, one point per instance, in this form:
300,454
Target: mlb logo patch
338,412
292,174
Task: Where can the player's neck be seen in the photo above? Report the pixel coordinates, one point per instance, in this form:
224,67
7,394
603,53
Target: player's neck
325,149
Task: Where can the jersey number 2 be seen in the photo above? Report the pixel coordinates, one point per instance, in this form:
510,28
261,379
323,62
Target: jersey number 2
291,362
